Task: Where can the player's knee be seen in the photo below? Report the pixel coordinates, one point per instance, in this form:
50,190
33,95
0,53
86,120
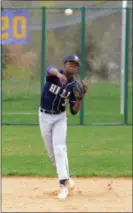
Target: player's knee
59,150
46,134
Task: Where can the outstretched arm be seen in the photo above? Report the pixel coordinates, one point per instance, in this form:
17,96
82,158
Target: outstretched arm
54,72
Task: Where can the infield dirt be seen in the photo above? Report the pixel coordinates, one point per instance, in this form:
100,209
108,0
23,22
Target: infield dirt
32,194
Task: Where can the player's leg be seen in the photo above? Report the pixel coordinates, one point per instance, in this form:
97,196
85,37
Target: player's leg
60,149
61,158
46,132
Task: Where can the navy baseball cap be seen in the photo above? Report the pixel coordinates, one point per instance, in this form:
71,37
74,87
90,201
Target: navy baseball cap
73,58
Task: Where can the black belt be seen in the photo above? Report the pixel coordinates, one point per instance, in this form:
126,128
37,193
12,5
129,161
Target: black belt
51,112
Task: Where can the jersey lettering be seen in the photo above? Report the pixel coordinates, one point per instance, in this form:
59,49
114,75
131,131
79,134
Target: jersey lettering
64,95
68,94
65,102
54,89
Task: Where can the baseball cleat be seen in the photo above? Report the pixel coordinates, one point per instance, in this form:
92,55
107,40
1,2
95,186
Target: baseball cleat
63,193
71,184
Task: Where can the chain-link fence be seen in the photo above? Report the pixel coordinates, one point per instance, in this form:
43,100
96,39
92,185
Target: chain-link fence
94,34
21,73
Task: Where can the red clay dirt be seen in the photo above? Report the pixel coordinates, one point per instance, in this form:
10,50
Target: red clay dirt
28,194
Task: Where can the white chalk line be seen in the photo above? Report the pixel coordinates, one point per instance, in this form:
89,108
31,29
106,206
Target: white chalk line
36,114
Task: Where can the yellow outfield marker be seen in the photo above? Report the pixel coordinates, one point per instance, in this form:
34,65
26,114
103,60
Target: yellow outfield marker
47,3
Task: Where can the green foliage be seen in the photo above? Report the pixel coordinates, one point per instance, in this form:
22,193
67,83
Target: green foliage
6,59
16,73
102,71
93,64
53,49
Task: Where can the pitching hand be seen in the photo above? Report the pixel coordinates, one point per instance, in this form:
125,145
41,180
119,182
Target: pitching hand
62,78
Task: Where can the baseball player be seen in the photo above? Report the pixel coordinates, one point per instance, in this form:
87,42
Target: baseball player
59,89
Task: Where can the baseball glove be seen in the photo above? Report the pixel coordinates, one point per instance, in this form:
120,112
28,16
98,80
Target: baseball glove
80,89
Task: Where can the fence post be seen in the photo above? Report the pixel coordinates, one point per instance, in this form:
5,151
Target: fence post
82,71
126,66
43,45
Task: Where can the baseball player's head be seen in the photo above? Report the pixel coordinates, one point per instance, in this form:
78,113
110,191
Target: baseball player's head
72,64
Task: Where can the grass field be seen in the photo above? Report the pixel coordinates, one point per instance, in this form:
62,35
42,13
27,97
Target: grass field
93,151
20,102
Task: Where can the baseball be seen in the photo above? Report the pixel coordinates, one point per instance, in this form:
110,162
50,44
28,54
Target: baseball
68,12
